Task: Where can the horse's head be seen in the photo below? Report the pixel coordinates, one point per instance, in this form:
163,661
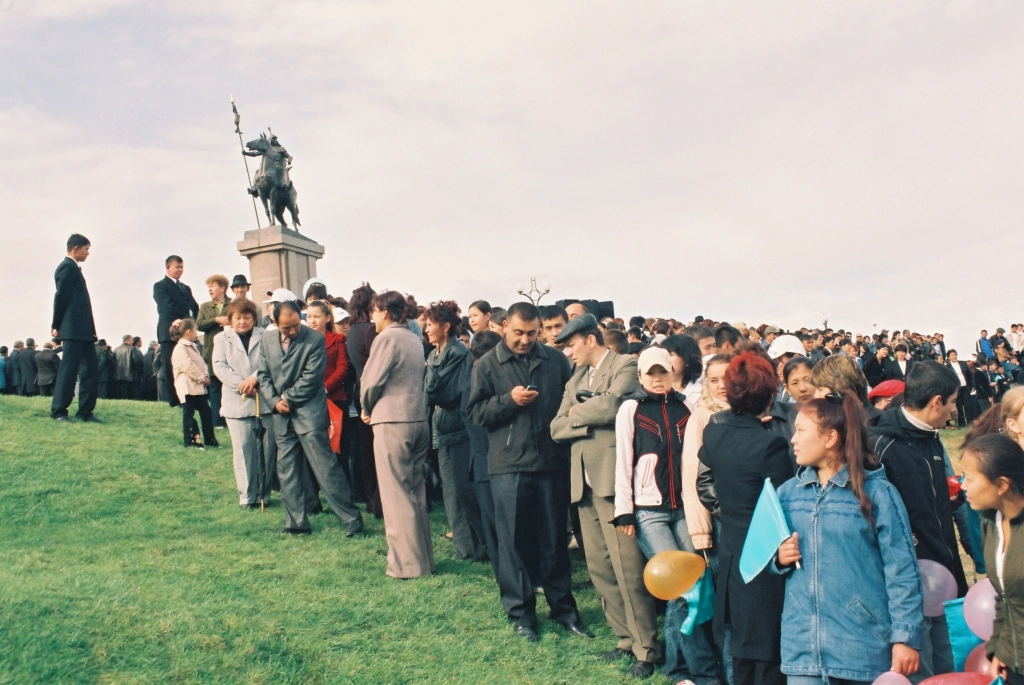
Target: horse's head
259,145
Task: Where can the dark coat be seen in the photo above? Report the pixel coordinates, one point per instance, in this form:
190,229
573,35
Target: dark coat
72,308
914,463
893,372
478,445
519,438
358,344
966,371
874,370
47,364
27,371
443,386
172,303
741,452
13,371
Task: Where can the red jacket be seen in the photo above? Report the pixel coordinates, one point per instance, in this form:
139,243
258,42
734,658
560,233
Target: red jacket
336,372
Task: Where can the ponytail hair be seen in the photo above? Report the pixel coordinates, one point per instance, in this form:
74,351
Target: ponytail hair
844,413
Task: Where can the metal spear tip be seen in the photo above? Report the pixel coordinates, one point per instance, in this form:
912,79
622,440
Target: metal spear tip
232,98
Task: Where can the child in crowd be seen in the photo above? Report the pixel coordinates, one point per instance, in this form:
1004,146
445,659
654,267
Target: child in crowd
859,581
649,430
191,381
796,375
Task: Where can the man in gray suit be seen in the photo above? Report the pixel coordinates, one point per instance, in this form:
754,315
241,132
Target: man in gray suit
586,419
291,381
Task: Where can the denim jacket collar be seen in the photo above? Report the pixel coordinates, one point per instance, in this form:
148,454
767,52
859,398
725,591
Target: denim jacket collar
808,476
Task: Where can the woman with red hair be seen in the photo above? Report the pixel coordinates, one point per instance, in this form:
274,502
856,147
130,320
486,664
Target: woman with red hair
739,453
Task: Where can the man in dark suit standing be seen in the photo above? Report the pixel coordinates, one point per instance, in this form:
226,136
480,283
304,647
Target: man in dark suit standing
173,301
74,327
14,368
27,366
47,368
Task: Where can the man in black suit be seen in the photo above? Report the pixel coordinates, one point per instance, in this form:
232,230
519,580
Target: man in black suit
74,327
47,368
14,368
27,367
173,301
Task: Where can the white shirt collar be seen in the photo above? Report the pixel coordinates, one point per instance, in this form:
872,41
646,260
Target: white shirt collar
916,422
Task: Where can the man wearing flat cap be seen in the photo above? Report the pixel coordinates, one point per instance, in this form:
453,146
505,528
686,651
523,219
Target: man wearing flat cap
586,420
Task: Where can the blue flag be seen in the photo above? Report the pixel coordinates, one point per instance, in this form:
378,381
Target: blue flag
768,530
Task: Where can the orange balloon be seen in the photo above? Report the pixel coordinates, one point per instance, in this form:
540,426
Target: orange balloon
671,574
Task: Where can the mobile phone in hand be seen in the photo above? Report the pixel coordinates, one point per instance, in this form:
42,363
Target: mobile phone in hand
533,388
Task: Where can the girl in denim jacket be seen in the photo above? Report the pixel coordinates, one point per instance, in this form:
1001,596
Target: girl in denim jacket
854,608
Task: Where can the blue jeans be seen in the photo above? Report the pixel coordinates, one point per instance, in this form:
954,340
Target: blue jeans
687,657
821,680
936,652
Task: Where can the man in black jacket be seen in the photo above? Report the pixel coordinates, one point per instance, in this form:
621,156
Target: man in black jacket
47,368
28,369
907,442
515,393
74,327
173,301
14,368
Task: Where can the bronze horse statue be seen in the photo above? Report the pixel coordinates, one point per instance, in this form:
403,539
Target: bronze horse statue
271,183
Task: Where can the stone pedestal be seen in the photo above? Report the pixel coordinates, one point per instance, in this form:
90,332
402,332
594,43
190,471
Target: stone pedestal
279,258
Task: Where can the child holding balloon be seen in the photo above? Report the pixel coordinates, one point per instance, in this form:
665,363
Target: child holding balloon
853,609
993,467
649,430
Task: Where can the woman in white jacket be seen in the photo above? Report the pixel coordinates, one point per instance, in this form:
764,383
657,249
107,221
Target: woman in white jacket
190,383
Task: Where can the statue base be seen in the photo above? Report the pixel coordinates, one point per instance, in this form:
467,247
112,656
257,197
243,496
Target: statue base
279,258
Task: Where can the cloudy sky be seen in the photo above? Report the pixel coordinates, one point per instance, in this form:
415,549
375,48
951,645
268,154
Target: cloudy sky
765,162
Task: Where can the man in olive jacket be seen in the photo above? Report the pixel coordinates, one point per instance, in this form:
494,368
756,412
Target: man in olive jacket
515,393
586,419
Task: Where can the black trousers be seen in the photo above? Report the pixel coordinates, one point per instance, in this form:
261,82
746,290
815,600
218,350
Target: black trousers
46,390
486,502
166,350
200,404
750,672
126,390
79,364
530,511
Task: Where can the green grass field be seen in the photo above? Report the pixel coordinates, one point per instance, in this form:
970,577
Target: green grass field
124,559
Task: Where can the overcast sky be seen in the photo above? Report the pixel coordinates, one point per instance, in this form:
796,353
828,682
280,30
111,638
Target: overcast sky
764,162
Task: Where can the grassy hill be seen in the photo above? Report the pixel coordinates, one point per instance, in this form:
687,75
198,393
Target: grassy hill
124,558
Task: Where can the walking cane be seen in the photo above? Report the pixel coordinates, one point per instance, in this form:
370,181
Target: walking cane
259,450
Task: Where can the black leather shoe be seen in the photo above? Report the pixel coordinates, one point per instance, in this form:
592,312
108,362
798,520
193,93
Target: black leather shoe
613,654
355,527
213,444
578,629
91,418
641,669
528,632
62,419
295,531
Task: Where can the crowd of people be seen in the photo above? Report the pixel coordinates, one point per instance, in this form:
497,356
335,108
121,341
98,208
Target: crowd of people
547,429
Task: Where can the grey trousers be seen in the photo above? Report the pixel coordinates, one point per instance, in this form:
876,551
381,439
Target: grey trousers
325,466
400,452
460,502
616,565
246,459
936,652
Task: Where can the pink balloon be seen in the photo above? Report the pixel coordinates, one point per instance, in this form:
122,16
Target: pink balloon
958,679
892,678
939,586
980,608
977,661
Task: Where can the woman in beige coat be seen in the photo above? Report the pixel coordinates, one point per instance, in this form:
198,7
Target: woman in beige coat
712,400
190,382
